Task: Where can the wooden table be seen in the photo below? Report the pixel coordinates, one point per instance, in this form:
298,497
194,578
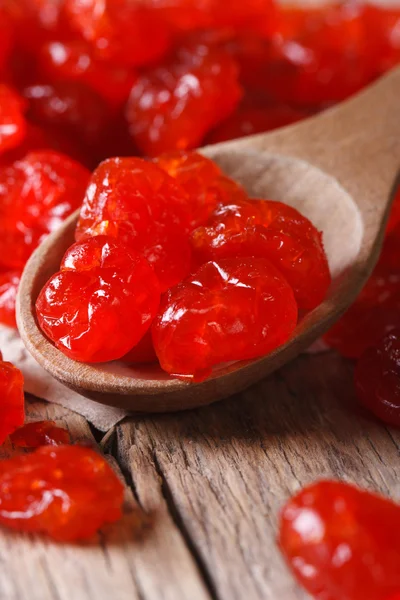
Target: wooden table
204,490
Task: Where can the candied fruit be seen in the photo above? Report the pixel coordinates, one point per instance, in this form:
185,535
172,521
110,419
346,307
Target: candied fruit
40,433
69,106
272,230
9,283
120,30
142,206
12,120
101,302
12,411
202,180
233,309
67,492
36,194
73,60
173,105
377,378
342,543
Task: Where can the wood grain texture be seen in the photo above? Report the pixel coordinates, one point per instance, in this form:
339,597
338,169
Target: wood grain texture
227,469
339,167
143,557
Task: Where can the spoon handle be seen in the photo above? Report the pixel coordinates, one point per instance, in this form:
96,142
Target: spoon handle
357,142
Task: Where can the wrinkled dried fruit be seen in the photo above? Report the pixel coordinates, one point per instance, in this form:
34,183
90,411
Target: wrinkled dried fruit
12,411
342,543
36,194
69,106
101,302
67,492
139,204
233,309
40,433
272,230
377,378
74,60
202,180
120,30
173,105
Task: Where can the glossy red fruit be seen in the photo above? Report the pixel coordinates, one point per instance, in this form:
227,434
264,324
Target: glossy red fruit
101,303
122,31
271,230
377,378
320,55
74,61
233,309
71,107
36,194
66,492
174,105
12,120
375,313
202,180
40,433
9,282
342,543
12,411
138,203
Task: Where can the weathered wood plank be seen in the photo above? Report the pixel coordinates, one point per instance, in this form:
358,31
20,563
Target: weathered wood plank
227,469
144,557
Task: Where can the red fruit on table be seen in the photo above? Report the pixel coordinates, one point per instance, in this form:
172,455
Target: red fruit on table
66,492
341,542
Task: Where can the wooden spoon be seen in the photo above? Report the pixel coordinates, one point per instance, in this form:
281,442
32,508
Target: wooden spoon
338,169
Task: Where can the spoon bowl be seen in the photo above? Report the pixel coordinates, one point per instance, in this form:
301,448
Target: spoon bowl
338,169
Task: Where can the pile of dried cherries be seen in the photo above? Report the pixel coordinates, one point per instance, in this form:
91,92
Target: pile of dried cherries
102,105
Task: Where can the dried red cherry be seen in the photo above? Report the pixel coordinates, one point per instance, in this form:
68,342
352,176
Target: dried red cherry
120,30
67,492
342,542
202,180
101,302
74,60
139,204
69,106
233,309
12,411
40,433
377,378
36,194
173,105
272,230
